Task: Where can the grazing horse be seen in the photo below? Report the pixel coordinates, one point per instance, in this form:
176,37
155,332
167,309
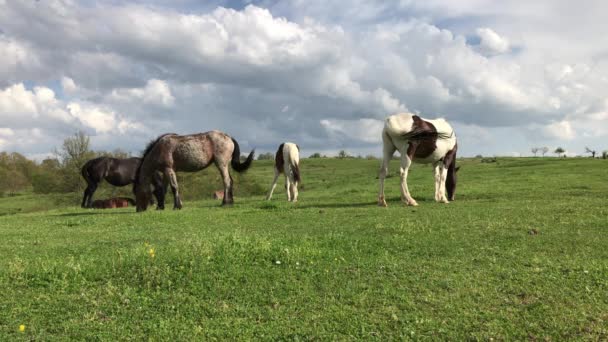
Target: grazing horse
287,160
422,141
118,172
189,153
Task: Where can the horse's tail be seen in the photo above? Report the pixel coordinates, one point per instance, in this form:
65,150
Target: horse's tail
84,171
236,158
294,161
450,182
295,169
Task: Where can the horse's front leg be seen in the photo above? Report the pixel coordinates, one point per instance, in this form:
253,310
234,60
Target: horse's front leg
177,201
406,162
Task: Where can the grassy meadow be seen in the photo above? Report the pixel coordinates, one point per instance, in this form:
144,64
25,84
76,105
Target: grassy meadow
522,254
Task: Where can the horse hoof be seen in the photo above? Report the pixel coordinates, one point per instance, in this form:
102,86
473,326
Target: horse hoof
382,204
412,204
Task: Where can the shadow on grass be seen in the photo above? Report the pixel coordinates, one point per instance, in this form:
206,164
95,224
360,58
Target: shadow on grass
96,212
335,205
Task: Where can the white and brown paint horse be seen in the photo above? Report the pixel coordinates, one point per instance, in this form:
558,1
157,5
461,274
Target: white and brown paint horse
188,153
421,141
287,160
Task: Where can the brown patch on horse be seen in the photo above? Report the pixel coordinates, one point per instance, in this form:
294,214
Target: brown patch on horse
422,139
279,160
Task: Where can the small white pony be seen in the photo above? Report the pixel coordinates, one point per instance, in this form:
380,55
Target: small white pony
287,160
421,141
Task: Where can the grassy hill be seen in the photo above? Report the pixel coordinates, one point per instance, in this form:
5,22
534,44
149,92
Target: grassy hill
521,254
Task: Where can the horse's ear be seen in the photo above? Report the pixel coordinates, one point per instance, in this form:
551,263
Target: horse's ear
298,147
416,119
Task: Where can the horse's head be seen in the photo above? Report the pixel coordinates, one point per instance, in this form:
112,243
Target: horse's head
143,195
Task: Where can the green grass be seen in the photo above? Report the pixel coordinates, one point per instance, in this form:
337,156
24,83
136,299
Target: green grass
521,254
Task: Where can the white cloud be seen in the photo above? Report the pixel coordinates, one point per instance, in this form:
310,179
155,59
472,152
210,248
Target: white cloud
312,71
491,43
155,92
366,130
560,130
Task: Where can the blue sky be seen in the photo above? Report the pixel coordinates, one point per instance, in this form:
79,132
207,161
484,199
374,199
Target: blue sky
509,75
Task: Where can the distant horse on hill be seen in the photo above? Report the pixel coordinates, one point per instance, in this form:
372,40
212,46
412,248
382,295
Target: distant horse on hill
287,160
189,153
118,172
421,141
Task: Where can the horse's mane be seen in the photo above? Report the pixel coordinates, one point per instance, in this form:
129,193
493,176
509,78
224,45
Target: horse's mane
149,147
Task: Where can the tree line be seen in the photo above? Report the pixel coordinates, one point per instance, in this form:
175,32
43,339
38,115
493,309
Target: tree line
560,151
59,173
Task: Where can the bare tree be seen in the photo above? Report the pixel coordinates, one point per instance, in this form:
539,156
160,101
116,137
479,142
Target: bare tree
535,150
588,150
74,152
544,150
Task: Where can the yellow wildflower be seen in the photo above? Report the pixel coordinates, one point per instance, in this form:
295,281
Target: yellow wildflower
22,328
151,252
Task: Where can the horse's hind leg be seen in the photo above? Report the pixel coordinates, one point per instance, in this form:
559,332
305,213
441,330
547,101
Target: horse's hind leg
288,187
437,174
225,173
84,198
443,175
294,191
388,151
170,174
87,201
274,184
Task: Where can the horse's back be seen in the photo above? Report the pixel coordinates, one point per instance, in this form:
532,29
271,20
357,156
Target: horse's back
398,124
291,152
195,152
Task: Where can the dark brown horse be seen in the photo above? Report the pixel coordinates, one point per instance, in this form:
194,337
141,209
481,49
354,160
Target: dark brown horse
118,172
189,153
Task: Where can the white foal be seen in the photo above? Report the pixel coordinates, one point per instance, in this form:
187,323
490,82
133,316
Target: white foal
287,160
421,141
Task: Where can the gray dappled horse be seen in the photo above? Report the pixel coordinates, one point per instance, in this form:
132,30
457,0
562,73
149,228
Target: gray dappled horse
172,153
